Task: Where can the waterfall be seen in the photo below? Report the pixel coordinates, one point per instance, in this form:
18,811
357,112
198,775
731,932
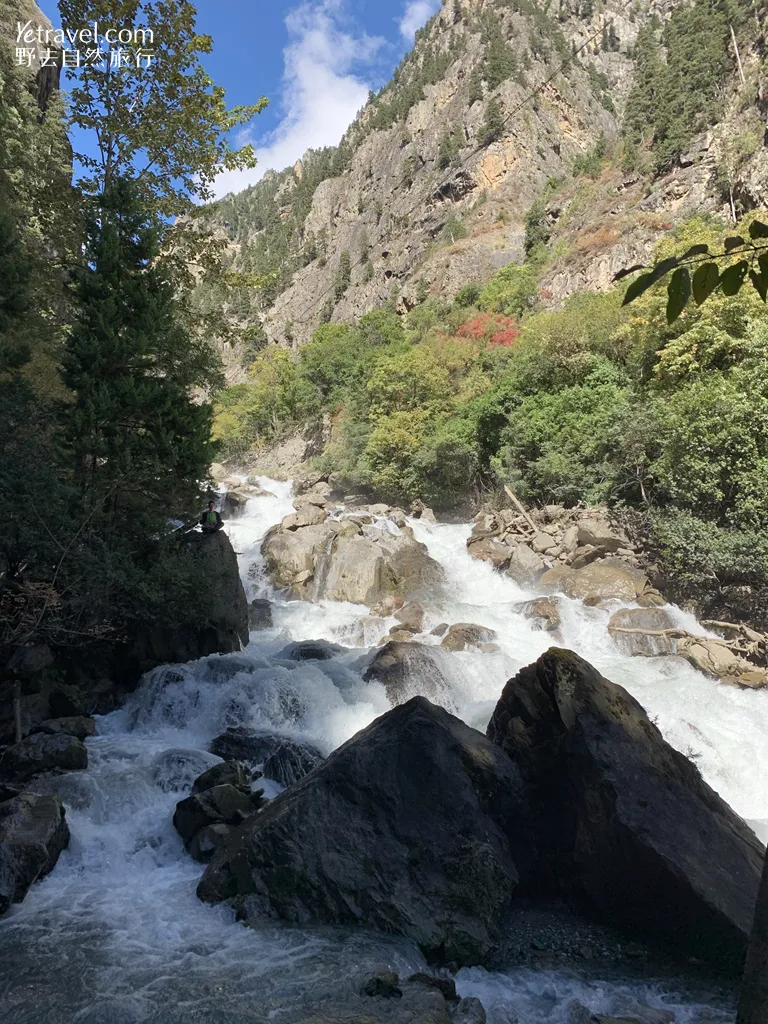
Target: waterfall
116,934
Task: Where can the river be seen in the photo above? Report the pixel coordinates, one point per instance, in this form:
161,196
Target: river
116,934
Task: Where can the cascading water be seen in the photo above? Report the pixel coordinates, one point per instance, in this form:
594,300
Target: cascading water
116,934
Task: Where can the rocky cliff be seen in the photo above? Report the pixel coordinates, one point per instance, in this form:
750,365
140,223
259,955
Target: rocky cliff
491,111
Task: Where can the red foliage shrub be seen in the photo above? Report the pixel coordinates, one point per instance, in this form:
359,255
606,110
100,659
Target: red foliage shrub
492,328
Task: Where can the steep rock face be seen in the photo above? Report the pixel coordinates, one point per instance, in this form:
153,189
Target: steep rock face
626,824
398,829
423,203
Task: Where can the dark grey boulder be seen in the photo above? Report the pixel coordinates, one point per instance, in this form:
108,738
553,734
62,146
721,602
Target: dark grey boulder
404,828
260,613
81,726
282,759
33,832
206,840
753,1002
43,752
220,804
407,670
626,826
311,650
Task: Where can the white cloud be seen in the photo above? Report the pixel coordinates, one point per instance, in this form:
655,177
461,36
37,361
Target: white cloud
417,13
320,96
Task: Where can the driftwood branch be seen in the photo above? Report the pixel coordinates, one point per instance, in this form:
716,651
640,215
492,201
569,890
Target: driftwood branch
520,507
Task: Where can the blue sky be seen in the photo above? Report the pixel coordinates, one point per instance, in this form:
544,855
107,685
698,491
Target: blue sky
315,60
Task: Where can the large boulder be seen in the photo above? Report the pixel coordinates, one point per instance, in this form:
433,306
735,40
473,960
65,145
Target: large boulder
219,622
337,561
626,826
403,828
33,832
753,1004
602,580
406,670
597,531
544,611
634,631
43,752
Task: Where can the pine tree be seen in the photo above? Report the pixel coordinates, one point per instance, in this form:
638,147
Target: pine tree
135,441
492,127
343,274
500,61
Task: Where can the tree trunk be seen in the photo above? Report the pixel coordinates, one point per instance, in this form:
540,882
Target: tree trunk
753,1005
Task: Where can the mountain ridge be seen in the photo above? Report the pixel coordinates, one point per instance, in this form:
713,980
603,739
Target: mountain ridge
416,202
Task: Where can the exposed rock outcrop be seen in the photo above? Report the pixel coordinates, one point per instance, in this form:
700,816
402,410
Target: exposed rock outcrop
33,832
402,828
463,635
626,825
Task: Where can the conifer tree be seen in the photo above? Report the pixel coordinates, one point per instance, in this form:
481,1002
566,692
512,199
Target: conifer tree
493,125
135,441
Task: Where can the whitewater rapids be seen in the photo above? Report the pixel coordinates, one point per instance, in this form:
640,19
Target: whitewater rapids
116,934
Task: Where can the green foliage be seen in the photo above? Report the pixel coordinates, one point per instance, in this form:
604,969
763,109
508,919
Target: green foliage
492,127
743,257
512,291
343,274
136,443
677,89
168,120
591,164
448,151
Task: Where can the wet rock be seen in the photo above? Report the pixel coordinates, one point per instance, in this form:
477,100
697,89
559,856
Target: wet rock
651,598
388,606
44,752
399,829
440,629
411,615
260,614
462,635
207,840
80,726
647,620
283,760
490,549
311,650
525,566
398,635
382,984
175,770
234,504
626,823
407,669
228,773
220,804
545,612
33,832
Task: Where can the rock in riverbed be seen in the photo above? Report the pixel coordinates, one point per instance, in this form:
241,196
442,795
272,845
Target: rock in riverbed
626,825
33,832
399,829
